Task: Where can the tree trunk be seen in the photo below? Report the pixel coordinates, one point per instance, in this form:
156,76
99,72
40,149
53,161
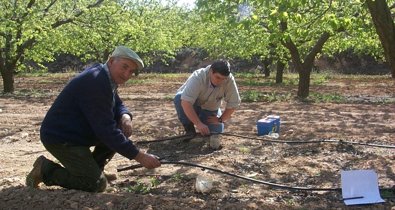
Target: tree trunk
385,27
13,52
266,69
280,72
6,69
304,80
304,84
303,66
8,79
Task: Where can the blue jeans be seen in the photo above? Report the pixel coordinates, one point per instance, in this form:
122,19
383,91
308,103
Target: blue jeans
202,114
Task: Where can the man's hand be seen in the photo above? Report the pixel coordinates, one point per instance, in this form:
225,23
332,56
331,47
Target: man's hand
147,160
203,128
126,125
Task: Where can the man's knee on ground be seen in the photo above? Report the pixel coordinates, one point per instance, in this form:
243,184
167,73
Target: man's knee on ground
101,183
97,185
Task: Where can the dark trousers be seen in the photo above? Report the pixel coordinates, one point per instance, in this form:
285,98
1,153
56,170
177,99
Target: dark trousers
202,114
81,169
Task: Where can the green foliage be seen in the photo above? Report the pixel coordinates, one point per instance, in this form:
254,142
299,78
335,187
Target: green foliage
137,81
250,96
244,150
152,29
306,21
24,24
156,30
319,79
252,83
290,79
387,193
327,98
144,188
258,96
38,30
255,96
177,177
302,27
30,93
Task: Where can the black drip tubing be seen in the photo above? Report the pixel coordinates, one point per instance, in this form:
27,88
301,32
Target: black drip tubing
274,185
190,136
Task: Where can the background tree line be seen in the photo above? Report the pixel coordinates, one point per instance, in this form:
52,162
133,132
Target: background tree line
274,31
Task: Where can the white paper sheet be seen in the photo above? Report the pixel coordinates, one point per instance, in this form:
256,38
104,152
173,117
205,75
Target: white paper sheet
360,187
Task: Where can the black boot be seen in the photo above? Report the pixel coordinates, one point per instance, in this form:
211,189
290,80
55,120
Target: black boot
189,130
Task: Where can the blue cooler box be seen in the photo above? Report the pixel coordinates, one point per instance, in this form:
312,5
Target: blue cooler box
265,126
277,123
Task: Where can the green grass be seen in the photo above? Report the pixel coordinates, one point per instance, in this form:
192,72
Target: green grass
143,188
244,150
47,74
319,79
30,93
135,81
252,85
327,98
257,96
177,177
169,97
255,83
387,193
289,79
167,75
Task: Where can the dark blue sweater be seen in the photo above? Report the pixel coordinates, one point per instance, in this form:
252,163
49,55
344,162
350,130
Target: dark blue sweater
83,114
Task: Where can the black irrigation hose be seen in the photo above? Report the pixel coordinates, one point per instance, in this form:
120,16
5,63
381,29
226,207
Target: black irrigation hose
184,137
280,186
309,142
233,175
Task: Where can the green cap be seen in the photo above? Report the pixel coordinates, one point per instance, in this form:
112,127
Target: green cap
124,52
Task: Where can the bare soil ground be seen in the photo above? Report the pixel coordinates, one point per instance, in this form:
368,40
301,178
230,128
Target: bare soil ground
369,117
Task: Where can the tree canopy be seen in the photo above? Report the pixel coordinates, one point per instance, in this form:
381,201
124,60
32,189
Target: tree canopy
285,31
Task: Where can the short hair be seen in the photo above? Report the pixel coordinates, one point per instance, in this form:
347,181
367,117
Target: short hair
221,66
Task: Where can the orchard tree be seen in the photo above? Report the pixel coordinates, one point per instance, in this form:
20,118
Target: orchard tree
151,28
224,36
235,38
25,23
301,26
361,39
383,21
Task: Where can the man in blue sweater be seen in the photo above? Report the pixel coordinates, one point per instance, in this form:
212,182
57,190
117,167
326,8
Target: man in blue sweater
88,112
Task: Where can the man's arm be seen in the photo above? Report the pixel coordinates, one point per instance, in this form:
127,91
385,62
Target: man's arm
194,118
224,117
125,123
123,116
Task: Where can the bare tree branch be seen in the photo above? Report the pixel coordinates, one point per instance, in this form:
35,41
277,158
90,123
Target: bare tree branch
317,47
69,20
29,6
49,6
319,16
21,49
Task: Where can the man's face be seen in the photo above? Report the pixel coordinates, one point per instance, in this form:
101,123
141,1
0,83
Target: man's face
121,69
217,78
